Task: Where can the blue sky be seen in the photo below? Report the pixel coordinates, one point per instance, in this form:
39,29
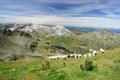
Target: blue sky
99,13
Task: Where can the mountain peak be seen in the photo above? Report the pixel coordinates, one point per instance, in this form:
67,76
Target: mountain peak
59,30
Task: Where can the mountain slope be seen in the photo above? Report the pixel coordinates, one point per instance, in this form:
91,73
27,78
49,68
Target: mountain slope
29,39
103,38
108,68
42,30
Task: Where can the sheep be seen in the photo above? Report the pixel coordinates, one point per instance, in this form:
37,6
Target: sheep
75,55
85,55
53,57
89,54
90,50
68,56
79,55
102,50
58,57
63,56
94,52
72,55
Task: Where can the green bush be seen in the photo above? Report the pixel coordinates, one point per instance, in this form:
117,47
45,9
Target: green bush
46,65
81,67
88,65
33,45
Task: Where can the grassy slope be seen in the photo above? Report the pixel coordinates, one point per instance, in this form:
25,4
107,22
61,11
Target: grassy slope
81,43
108,69
13,45
19,42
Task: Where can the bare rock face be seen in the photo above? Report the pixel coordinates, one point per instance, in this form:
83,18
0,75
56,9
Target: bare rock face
58,30
61,30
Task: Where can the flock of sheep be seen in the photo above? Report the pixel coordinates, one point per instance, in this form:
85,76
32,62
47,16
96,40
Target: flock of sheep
90,54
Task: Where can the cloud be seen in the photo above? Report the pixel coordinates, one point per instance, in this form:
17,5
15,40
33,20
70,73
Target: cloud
78,21
59,7
103,13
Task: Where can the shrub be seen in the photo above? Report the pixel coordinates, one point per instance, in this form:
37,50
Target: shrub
33,45
81,67
46,65
88,65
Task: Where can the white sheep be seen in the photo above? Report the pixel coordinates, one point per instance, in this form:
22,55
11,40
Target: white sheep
94,52
53,57
89,54
75,55
102,50
79,55
72,55
58,56
85,55
63,56
90,50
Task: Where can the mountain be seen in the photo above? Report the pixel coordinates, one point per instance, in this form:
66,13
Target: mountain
26,39
18,41
103,38
57,30
79,29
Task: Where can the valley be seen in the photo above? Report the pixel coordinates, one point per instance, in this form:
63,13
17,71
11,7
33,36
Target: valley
25,51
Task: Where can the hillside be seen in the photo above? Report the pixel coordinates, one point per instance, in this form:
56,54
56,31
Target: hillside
102,38
108,68
20,40
26,39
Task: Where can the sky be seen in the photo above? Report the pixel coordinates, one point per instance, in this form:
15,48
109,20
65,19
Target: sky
95,13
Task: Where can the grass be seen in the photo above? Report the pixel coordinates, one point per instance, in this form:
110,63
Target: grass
69,69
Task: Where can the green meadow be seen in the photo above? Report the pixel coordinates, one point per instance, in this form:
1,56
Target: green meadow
108,68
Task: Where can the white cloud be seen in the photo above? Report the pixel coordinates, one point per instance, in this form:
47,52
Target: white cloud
79,21
52,15
40,7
